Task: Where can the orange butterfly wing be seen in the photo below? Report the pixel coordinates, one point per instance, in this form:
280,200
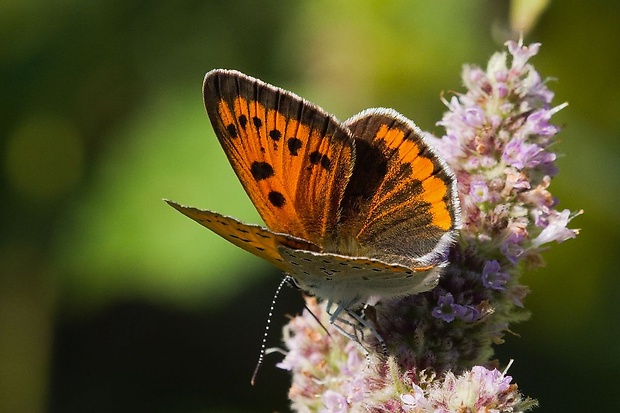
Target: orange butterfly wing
252,238
354,210
407,205
293,159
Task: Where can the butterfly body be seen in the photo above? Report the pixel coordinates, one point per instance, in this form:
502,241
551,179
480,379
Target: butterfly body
353,210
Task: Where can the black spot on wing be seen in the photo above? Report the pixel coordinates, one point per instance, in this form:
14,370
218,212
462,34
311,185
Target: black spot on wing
232,130
294,145
243,120
275,134
317,158
239,238
257,122
261,170
276,198
325,162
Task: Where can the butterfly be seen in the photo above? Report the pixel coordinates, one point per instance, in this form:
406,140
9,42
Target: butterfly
354,210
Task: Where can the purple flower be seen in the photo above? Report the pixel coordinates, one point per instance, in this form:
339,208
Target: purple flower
334,402
467,313
521,154
416,401
449,146
512,251
556,229
479,191
521,54
491,382
492,277
515,180
474,78
445,309
511,247
463,119
477,390
356,389
538,124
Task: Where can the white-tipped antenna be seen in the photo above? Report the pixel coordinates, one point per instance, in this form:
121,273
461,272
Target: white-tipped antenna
286,280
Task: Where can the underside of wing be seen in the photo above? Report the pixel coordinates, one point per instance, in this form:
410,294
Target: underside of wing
343,279
258,240
293,159
407,205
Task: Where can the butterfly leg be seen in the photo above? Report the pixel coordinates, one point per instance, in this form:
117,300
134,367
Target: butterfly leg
361,320
337,321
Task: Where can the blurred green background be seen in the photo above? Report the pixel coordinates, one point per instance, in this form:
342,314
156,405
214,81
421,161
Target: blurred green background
112,301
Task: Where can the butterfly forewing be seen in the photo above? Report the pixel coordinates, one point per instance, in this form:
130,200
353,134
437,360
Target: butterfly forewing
253,238
414,198
293,159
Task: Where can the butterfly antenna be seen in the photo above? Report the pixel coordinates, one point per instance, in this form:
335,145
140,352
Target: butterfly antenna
293,283
263,347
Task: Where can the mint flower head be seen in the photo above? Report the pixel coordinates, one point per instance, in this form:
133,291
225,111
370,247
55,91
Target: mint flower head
498,141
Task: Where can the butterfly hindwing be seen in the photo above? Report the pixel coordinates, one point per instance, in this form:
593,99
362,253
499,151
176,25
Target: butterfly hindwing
412,197
293,159
346,279
258,240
